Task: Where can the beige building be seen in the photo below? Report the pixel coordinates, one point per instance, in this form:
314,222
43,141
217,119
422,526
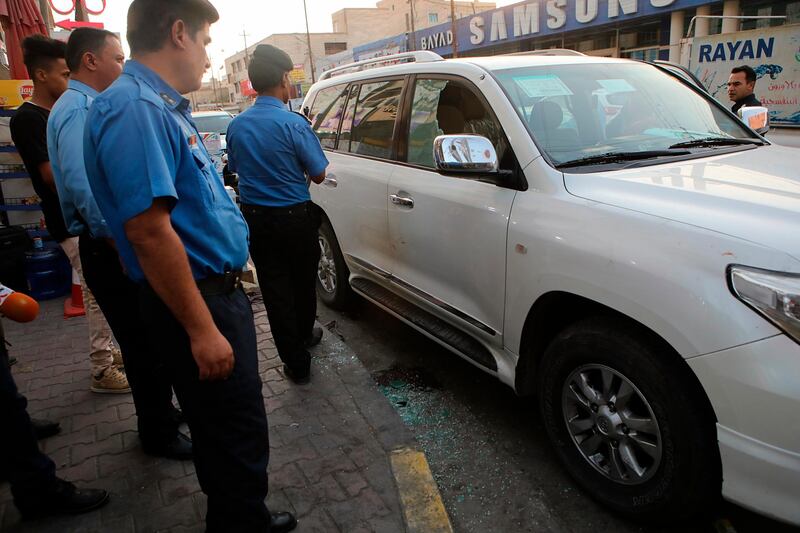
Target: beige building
294,44
394,17
212,95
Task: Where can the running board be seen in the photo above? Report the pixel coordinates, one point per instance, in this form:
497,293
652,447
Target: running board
424,321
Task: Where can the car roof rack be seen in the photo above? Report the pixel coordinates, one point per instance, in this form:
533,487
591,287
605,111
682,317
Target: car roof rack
549,52
421,56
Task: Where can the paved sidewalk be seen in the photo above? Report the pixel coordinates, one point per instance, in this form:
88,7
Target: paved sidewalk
329,440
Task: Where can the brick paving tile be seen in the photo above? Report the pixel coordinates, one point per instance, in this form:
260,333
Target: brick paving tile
329,441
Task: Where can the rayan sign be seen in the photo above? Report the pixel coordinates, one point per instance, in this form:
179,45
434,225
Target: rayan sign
540,18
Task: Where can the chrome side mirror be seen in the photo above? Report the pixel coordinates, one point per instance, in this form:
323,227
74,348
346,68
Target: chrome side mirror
756,117
465,154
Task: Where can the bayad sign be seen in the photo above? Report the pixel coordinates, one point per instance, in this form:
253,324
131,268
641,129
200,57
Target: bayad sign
538,19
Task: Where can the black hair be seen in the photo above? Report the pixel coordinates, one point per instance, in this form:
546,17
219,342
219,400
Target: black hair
39,52
749,73
150,21
268,66
82,41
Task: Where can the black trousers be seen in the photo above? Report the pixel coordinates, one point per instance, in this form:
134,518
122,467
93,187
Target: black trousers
284,244
117,297
227,418
29,470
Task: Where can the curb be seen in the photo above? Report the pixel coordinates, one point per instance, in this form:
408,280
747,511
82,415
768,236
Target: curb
423,508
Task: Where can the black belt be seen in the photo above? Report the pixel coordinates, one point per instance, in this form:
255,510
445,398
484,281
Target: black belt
220,285
293,210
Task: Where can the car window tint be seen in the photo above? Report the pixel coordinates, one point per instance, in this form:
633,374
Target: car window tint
347,122
449,107
375,115
326,114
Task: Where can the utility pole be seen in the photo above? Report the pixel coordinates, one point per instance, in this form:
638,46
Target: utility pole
308,37
413,25
80,12
47,14
245,35
453,27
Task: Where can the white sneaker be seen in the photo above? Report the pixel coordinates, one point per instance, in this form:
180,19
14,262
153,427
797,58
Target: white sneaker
111,381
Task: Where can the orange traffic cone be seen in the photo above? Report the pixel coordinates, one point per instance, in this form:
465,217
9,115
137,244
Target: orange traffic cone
73,307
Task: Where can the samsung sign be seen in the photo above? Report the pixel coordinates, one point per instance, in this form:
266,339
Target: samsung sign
542,18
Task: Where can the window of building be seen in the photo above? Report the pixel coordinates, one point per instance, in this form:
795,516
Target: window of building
433,18
326,114
790,10
448,107
374,119
334,48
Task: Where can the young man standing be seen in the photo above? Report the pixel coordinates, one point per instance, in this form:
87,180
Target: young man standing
272,150
47,67
741,86
184,240
95,58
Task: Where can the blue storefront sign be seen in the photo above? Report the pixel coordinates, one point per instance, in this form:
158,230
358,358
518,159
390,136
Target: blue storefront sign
543,18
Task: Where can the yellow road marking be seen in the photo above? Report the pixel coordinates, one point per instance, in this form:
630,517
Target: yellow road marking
422,504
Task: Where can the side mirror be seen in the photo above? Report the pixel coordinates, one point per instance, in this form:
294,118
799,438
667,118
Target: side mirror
465,154
756,117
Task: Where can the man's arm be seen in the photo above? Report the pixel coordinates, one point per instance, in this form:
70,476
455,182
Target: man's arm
163,259
47,176
309,152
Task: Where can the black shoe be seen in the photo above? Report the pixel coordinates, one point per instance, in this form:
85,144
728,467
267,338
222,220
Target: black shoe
179,449
315,338
45,428
63,498
304,379
282,522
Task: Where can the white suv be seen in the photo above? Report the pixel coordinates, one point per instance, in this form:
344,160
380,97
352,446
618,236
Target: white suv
638,270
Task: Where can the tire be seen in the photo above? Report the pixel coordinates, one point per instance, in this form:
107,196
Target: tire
333,276
677,478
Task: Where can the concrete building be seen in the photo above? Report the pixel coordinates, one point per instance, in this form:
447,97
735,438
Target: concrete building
393,17
212,95
294,44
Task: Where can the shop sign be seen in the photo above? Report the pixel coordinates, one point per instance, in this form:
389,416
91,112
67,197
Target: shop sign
13,93
540,19
774,53
247,88
298,74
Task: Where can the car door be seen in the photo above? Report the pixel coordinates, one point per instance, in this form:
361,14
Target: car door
356,129
449,233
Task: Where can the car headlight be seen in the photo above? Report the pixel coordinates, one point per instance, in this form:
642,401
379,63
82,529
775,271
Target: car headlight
775,295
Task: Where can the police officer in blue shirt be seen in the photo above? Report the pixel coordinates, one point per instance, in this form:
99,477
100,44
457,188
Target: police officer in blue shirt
183,239
95,59
275,152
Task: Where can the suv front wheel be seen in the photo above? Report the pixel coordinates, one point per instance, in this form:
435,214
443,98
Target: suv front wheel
627,421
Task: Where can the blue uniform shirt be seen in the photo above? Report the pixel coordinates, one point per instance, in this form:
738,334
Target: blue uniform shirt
141,144
272,150
65,147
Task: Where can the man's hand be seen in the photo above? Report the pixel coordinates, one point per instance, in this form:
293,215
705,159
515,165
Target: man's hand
214,356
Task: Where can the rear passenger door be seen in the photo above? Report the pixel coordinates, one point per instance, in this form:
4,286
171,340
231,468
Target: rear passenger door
449,233
357,130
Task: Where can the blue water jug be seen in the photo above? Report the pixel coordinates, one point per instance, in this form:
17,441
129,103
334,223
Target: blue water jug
48,272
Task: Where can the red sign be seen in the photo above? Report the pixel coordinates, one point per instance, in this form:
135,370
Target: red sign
26,92
71,25
247,88
70,10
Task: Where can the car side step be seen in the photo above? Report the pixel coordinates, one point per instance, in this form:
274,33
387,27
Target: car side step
425,321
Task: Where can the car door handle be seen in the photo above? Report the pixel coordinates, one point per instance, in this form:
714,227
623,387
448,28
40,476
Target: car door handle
330,181
402,201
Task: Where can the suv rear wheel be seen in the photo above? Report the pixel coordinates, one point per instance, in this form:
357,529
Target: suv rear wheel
628,422
333,283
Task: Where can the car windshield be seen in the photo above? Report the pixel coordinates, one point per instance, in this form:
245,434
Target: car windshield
213,123
589,111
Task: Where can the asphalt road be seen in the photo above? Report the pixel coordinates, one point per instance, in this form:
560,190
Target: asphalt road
486,447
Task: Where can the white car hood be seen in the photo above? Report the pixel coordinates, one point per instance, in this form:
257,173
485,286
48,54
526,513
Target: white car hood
753,194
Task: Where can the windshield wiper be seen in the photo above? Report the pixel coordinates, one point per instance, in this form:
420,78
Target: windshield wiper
715,141
619,157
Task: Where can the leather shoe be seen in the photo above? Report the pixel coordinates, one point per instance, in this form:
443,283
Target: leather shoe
315,338
45,428
297,379
282,522
62,498
180,449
